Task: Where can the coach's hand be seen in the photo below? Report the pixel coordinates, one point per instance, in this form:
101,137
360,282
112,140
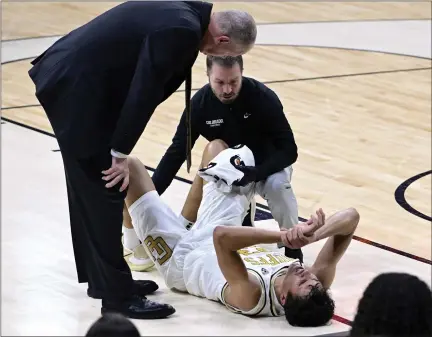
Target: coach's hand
303,233
250,173
119,171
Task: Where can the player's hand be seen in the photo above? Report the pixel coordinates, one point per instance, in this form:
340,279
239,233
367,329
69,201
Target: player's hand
118,171
314,223
294,238
303,233
250,173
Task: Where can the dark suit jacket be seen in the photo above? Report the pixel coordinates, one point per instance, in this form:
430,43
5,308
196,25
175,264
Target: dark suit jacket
100,84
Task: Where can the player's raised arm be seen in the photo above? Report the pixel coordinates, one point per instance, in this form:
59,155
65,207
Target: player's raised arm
339,228
243,292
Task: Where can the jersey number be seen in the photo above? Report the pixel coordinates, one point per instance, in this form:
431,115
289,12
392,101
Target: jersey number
159,249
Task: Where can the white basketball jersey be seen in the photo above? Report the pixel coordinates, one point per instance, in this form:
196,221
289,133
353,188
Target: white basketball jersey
221,202
266,266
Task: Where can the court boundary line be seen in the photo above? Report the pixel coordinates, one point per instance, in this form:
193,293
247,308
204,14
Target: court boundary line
258,24
263,207
264,44
264,82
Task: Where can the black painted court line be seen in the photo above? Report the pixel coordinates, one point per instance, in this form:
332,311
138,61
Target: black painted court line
20,106
18,60
360,239
351,75
400,196
30,38
275,81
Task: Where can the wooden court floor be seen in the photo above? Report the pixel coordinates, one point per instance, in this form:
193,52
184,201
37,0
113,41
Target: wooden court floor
361,119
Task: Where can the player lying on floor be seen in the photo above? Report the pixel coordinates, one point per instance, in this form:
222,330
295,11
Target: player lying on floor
222,261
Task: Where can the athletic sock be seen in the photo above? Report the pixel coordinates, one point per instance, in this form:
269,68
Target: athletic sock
130,239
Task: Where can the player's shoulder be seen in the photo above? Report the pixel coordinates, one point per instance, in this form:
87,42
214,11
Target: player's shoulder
202,96
259,90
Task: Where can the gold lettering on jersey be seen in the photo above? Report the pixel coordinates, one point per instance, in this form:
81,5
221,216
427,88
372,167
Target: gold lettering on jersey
159,248
252,250
244,252
267,260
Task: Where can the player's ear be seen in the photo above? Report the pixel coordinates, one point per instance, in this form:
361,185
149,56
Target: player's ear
222,39
283,299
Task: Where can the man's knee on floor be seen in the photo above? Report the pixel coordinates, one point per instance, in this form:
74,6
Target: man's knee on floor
276,184
281,199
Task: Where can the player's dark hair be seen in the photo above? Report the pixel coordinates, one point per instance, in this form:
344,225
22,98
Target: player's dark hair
113,325
224,61
314,309
394,304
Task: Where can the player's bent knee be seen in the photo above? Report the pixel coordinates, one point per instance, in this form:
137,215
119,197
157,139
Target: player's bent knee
216,145
133,163
211,150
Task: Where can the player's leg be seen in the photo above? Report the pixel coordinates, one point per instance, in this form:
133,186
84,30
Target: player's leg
193,200
155,223
133,250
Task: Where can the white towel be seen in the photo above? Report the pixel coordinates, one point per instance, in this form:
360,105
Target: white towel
221,169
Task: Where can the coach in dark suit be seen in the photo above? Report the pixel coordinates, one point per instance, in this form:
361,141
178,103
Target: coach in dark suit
99,86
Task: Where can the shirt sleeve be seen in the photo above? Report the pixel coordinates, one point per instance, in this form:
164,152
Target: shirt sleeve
175,156
280,134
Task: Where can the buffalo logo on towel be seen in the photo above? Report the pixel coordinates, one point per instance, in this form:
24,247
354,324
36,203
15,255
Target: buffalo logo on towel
237,161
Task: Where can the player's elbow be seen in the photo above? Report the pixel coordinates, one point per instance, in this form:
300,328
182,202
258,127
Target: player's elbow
353,218
220,236
219,233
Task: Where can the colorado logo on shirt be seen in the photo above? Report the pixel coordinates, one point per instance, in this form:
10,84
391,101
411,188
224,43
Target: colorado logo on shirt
215,122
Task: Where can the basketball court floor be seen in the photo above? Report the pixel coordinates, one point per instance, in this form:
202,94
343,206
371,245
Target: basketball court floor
355,81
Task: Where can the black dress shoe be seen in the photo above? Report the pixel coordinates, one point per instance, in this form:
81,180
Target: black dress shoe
294,253
137,307
140,287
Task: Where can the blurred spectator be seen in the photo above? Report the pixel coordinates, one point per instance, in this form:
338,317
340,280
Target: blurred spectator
394,304
113,325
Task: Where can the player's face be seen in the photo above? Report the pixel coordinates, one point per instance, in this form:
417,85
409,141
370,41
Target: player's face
298,281
225,82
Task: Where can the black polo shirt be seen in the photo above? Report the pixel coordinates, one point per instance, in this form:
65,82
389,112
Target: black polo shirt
256,119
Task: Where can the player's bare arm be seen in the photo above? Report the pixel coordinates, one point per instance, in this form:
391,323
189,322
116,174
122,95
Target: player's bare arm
193,200
243,289
339,228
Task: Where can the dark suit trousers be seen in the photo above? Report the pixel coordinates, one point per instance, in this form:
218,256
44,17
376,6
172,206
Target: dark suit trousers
96,213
